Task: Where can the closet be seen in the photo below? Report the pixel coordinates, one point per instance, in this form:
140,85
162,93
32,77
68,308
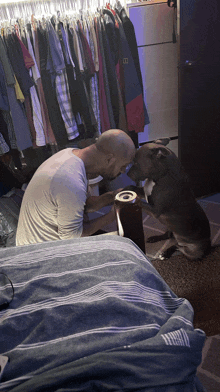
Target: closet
64,80
179,55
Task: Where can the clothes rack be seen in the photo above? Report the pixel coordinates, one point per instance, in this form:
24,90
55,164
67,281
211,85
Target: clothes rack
80,45
20,8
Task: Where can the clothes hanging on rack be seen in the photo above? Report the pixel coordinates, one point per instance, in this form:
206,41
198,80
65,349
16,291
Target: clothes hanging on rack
104,115
48,131
14,116
111,72
36,108
55,117
74,78
4,141
78,87
94,87
132,42
133,93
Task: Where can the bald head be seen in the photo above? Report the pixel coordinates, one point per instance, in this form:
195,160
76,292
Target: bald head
116,142
109,156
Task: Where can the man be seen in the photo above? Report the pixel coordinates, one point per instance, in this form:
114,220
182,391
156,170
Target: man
56,197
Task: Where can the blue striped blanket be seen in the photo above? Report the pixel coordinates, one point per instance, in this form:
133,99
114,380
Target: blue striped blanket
93,314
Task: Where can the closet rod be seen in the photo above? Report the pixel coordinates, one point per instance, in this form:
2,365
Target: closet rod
159,138
14,7
15,2
37,2
33,2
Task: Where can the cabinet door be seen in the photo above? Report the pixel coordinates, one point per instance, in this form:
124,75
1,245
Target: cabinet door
153,23
160,80
199,93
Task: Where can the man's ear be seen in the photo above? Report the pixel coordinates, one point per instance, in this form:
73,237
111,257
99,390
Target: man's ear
110,158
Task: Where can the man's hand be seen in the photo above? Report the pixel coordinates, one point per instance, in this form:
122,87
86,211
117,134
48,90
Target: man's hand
114,193
95,203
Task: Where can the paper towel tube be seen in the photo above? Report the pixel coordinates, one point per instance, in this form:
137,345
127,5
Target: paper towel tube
129,217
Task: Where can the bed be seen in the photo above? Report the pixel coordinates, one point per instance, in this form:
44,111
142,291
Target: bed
93,314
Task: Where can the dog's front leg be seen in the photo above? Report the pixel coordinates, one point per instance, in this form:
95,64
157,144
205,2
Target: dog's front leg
162,237
149,209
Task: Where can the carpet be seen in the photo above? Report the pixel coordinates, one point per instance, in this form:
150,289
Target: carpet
199,282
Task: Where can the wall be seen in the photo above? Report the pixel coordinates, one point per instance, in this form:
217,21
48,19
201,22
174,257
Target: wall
153,23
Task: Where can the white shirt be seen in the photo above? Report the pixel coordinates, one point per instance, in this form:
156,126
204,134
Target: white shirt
53,204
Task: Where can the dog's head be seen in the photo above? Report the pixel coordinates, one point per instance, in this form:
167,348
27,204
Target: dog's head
149,162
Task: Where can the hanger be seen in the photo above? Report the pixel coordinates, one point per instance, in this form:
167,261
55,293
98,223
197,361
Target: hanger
111,9
118,7
172,3
33,22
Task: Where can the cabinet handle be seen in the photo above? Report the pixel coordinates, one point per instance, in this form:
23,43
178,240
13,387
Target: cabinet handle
189,63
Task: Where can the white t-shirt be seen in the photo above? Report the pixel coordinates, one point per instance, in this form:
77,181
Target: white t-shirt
53,203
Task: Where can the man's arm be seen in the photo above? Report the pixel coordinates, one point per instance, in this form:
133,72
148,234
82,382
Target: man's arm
95,203
94,225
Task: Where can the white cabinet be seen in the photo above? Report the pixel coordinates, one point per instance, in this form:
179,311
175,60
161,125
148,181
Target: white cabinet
153,24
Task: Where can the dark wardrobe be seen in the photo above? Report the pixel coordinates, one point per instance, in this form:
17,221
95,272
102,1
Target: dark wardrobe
199,93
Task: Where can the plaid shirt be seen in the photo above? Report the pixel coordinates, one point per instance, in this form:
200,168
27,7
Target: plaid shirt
63,97
37,118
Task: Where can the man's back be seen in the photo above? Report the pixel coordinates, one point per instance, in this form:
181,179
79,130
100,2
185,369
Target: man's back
53,203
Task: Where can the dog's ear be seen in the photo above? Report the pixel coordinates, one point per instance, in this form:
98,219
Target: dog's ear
160,152
164,141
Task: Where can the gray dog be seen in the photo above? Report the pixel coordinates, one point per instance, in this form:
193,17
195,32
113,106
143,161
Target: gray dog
170,200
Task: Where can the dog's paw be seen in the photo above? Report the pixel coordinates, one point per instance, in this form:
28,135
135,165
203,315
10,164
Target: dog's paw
166,254
161,256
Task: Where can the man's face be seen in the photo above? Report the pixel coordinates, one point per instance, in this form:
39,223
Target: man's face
115,169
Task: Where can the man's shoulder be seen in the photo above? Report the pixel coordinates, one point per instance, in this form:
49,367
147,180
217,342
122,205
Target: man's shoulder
61,159
69,169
